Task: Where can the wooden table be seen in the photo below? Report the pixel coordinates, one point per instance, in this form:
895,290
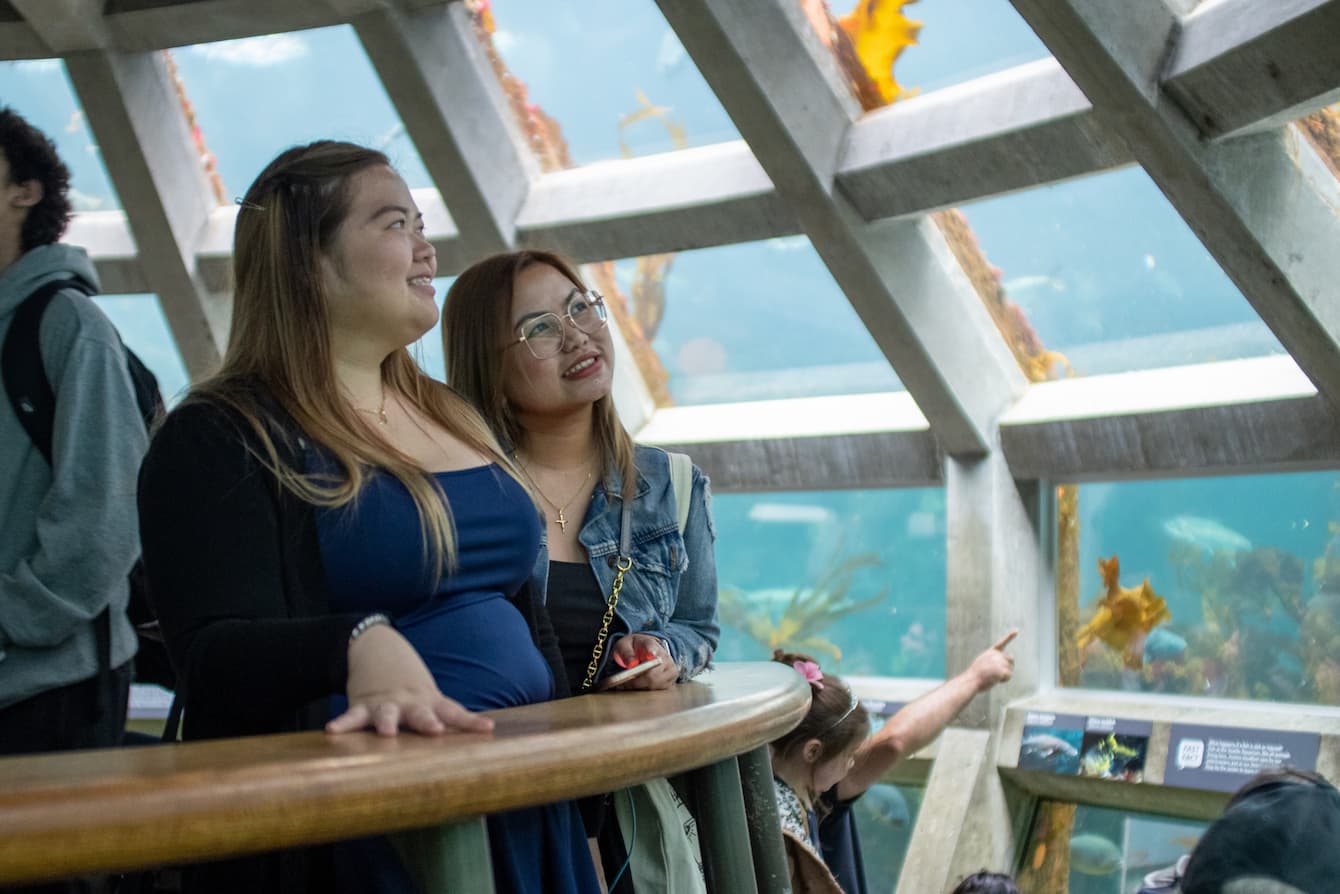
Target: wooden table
114,809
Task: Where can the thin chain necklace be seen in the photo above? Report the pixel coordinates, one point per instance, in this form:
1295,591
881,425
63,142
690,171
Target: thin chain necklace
560,519
380,412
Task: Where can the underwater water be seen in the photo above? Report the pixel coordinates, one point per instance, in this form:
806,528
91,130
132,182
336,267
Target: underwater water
885,816
1249,570
884,549
1111,851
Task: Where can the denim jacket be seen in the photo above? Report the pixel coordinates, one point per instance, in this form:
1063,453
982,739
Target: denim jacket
671,590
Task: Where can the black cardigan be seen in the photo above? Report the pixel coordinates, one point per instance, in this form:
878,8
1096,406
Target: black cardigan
235,576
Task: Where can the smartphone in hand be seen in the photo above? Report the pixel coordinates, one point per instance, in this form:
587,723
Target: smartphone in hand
631,673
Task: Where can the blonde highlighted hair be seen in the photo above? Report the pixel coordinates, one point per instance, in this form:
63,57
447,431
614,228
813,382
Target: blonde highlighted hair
280,340
477,328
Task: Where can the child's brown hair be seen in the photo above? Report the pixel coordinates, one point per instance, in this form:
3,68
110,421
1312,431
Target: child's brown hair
836,718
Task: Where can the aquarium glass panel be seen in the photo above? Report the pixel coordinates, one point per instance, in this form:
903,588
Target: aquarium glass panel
885,816
144,329
1108,852
752,321
256,96
39,90
894,52
1226,587
1101,275
600,79
854,578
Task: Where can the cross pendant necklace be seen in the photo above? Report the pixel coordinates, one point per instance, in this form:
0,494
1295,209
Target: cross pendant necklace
560,518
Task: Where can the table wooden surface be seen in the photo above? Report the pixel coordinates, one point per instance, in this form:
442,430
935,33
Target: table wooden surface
125,808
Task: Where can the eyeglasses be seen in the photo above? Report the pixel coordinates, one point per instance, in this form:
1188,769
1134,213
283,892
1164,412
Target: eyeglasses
544,335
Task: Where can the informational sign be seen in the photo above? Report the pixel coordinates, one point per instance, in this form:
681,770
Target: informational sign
1051,742
1114,748
1221,759
878,707
1076,745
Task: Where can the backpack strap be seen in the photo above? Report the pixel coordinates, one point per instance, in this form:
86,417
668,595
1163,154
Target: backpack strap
681,479
26,382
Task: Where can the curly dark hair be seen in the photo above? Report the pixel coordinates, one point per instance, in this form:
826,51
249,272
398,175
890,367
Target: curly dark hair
987,883
32,156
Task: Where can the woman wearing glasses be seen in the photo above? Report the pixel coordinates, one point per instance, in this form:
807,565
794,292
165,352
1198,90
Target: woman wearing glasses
526,341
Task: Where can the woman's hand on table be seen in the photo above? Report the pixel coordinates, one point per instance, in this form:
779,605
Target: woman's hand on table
389,689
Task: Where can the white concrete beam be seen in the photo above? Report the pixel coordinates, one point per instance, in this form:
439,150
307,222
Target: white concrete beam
675,201
1244,416
831,443
783,92
1020,128
995,576
1264,205
1245,65
136,26
453,108
20,40
1241,416
134,114
65,26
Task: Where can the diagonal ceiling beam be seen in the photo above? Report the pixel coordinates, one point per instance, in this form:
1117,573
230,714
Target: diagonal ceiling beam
443,87
783,91
134,114
1025,127
1264,205
1247,65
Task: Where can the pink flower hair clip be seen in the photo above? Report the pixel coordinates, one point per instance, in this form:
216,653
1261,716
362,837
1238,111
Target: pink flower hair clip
810,671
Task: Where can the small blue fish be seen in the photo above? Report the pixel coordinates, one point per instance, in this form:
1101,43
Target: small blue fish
1094,855
886,804
1164,645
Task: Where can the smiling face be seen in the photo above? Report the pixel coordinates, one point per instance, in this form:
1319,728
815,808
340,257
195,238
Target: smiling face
579,374
378,274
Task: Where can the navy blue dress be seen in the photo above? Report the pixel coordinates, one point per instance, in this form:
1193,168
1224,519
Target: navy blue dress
475,643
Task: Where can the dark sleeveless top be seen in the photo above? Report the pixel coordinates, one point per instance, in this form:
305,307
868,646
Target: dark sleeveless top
475,643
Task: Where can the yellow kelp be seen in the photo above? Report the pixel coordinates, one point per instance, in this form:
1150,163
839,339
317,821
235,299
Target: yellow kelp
880,32
1125,615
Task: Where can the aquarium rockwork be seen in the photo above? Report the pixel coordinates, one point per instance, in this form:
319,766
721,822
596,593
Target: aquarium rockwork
1223,587
854,578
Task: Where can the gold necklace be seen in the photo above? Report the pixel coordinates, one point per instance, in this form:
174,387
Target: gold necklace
380,412
561,519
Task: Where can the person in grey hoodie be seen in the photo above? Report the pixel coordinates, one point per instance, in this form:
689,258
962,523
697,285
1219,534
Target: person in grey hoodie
68,528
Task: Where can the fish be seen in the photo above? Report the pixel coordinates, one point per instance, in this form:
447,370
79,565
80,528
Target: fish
1045,746
1034,283
769,598
1164,645
886,804
1094,855
670,55
879,32
1095,762
1206,533
790,512
1124,616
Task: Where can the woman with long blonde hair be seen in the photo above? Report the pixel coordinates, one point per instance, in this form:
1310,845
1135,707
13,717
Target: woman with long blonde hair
334,539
